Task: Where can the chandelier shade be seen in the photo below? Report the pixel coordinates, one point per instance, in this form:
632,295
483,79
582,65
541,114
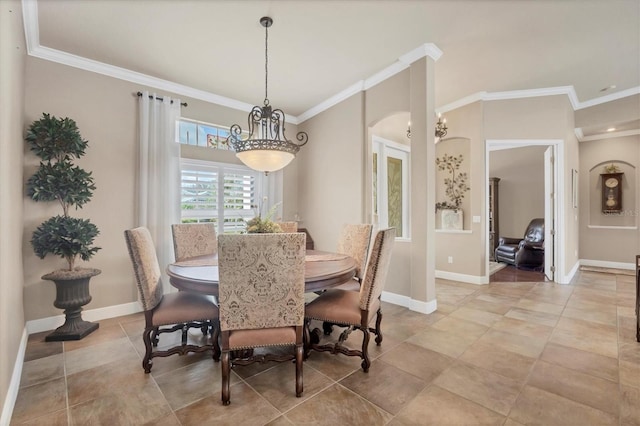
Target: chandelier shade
266,148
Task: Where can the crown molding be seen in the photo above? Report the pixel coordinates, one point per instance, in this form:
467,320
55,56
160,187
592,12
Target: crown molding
426,50
608,135
608,98
32,37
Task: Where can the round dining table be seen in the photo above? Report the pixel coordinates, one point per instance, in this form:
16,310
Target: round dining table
322,270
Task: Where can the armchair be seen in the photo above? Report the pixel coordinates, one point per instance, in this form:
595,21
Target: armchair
525,252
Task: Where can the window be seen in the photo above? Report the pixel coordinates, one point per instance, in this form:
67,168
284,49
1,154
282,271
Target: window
391,185
202,134
220,193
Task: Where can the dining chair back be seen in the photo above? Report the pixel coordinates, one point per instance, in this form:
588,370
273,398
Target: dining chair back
354,241
354,310
261,300
171,312
193,239
288,226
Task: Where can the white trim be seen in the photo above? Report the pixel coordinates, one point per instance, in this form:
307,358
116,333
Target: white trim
610,97
413,305
31,24
423,307
333,100
14,384
607,264
607,135
396,299
384,74
465,278
427,49
579,133
632,228
567,278
51,323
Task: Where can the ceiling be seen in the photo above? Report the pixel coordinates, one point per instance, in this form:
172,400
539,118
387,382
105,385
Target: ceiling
318,49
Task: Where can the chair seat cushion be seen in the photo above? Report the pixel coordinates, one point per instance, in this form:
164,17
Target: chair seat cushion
338,306
245,339
183,306
507,249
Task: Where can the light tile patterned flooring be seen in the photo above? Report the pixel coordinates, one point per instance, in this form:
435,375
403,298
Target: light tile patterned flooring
508,353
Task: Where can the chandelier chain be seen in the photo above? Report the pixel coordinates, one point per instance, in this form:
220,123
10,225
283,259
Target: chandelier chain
266,63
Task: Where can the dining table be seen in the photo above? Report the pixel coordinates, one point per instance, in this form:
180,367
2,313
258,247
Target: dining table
322,270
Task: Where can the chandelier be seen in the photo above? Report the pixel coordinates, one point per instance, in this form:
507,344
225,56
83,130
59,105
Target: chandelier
266,149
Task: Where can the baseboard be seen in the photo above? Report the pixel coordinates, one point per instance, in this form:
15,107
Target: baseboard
454,276
567,278
14,384
51,323
407,302
606,264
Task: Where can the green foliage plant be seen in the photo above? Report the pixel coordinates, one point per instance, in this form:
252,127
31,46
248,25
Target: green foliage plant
57,141
260,225
455,184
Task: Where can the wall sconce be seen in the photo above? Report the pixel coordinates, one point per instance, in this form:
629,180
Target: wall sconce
409,130
441,127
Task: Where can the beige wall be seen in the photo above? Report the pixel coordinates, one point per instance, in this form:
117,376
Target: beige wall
12,58
466,124
105,110
601,236
521,187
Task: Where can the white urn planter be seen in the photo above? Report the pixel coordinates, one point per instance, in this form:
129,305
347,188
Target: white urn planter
451,219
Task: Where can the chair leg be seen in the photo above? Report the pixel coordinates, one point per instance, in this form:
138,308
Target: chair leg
147,363
215,334
226,373
378,330
366,363
154,336
299,360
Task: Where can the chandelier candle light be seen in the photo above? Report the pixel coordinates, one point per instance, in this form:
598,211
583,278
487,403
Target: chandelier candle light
441,127
266,149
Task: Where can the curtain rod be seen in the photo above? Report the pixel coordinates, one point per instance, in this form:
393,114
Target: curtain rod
184,104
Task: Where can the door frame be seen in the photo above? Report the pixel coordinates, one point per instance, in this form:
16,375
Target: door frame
557,192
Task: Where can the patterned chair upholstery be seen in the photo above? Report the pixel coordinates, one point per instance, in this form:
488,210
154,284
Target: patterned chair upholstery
261,299
354,310
193,239
288,226
354,242
179,311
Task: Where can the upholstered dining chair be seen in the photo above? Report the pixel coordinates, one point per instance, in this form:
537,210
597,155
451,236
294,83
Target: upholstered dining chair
171,312
354,310
193,239
288,226
354,241
261,299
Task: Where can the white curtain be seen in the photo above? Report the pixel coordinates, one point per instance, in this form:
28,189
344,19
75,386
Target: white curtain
159,173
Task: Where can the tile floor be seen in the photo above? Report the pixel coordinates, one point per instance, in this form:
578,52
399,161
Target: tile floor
508,353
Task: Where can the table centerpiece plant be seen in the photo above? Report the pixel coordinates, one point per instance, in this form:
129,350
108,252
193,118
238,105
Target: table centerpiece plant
57,141
260,225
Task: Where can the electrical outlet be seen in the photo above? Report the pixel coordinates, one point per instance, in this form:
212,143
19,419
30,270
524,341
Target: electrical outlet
450,259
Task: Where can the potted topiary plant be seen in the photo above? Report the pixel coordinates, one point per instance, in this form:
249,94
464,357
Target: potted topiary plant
57,142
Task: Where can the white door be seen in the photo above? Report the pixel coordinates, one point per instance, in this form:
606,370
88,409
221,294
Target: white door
549,212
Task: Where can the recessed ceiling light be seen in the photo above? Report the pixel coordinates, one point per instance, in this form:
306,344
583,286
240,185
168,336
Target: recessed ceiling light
611,129
613,86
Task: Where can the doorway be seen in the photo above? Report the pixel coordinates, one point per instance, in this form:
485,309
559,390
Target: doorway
552,153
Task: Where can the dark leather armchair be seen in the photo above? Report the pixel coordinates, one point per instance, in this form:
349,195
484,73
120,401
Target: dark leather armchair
525,252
